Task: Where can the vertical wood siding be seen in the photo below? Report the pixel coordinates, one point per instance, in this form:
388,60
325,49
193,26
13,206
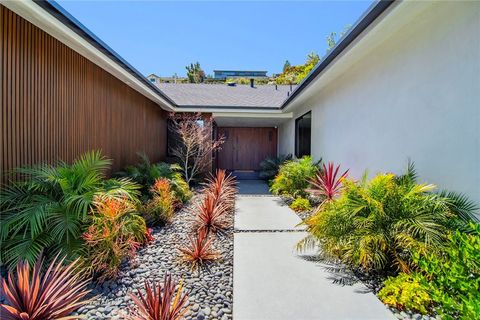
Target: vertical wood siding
56,104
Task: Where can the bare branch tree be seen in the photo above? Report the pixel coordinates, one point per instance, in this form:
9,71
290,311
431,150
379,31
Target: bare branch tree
194,143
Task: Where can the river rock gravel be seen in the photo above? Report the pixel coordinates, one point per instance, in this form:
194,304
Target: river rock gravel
210,290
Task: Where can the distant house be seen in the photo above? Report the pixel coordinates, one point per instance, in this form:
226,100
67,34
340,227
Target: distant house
224,74
153,78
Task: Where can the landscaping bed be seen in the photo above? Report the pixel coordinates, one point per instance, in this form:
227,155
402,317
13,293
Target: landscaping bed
210,289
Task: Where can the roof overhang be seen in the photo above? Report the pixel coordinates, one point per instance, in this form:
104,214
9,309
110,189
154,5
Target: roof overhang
251,119
53,19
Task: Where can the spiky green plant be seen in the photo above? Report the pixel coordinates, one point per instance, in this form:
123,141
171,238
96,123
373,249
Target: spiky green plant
46,211
270,166
378,224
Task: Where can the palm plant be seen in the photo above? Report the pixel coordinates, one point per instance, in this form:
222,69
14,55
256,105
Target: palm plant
378,224
54,295
47,210
160,302
270,166
199,250
294,176
210,215
326,183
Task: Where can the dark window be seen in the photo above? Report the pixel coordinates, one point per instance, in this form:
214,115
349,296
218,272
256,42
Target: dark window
303,135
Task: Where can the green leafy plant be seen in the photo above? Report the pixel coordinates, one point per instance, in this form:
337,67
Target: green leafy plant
300,204
294,176
54,294
160,208
115,233
270,166
378,224
145,173
406,292
452,275
48,209
160,302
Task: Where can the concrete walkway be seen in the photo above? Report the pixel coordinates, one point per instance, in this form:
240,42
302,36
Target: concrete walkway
270,281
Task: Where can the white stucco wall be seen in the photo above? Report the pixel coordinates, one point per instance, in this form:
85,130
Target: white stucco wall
415,95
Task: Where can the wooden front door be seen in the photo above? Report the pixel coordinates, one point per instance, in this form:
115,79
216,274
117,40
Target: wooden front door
245,148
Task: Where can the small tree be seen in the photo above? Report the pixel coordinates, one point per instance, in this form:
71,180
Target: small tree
286,65
195,73
194,143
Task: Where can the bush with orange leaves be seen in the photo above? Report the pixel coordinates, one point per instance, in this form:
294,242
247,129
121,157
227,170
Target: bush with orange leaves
115,233
160,209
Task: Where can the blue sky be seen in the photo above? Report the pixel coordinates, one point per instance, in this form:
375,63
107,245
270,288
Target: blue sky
163,37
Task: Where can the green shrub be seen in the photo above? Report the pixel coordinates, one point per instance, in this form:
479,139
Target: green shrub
160,208
270,166
145,173
406,292
449,277
300,204
452,275
294,176
377,225
48,210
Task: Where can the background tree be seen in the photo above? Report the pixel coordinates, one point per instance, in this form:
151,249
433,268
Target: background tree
286,65
195,73
194,144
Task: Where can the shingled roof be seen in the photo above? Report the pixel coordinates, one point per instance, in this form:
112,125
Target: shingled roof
222,95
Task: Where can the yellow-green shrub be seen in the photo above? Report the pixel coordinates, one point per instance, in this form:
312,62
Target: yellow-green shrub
405,292
160,208
300,204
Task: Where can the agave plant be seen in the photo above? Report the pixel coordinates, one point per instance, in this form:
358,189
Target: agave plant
159,302
199,250
48,209
209,214
54,295
327,183
223,188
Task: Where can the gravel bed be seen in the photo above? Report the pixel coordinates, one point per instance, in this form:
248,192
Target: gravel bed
210,291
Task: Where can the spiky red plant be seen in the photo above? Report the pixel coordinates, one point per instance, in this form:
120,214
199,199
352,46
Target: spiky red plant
54,295
160,302
199,250
326,182
210,214
223,187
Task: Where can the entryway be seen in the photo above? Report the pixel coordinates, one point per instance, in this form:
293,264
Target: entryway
245,148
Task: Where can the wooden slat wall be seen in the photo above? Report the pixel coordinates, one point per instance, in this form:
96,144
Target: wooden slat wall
56,104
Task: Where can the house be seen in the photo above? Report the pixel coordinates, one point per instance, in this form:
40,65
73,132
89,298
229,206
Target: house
403,83
173,79
224,74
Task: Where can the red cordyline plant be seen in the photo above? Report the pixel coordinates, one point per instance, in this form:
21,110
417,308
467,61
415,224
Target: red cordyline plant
327,183
160,302
199,250
222,187
54,295
210,215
